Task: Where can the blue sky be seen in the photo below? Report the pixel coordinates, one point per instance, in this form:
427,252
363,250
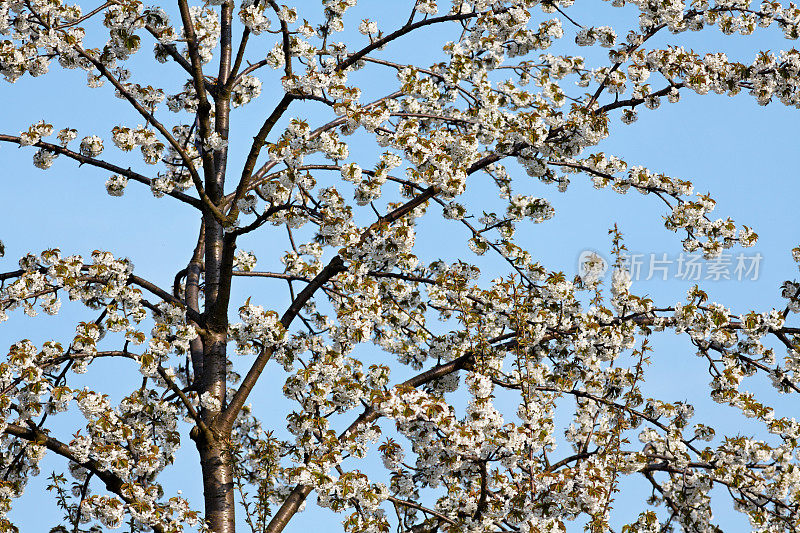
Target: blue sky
744,154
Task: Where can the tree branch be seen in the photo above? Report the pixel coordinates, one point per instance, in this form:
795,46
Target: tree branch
255,149
408,28
167,297
373,273
287,47
228,416
82,159
413,505
172,50
160,127
203,106
112,482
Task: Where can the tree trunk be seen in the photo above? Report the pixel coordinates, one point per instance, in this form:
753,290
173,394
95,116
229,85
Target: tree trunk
215,459
217,469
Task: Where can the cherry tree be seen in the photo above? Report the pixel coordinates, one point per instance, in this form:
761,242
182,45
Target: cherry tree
458,392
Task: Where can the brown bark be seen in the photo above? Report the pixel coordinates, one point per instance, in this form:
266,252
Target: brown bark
215,462
217,471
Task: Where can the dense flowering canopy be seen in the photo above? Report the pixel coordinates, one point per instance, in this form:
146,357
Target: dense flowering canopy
498,104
